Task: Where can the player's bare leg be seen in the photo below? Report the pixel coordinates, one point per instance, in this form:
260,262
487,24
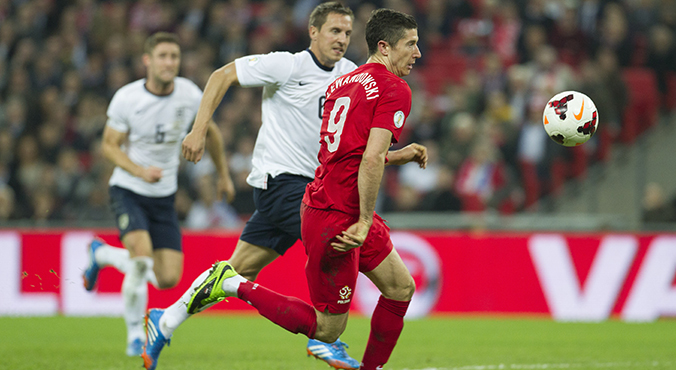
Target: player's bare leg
168,267
160,324
330,326
396,287
249,259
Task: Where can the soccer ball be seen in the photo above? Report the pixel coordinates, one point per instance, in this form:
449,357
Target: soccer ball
570,118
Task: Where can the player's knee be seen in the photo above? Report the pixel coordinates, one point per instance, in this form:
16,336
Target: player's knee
408,290
167,281
137,245
402,291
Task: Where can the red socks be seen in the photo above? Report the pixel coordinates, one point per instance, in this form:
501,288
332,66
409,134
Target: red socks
297,316
386,325
290,313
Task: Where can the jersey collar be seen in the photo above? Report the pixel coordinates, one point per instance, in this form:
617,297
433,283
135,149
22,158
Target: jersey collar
145,87
323,67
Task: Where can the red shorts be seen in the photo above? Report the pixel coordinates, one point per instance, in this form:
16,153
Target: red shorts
332,275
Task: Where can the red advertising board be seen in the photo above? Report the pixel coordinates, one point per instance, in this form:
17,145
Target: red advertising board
586,277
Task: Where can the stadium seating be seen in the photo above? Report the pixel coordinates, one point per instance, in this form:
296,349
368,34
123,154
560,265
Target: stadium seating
642,111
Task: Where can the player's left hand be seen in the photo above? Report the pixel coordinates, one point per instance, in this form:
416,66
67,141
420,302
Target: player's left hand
416,153
353,237
227,187
193,146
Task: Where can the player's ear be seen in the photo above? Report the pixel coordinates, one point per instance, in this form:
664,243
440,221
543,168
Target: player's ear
384,47
313,31
146,59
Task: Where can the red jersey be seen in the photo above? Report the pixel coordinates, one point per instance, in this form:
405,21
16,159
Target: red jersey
370,96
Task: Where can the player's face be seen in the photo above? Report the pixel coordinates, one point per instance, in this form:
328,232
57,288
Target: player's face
163,63
403,55
331,40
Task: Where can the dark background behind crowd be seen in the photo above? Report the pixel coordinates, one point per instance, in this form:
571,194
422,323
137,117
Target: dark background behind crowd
488,68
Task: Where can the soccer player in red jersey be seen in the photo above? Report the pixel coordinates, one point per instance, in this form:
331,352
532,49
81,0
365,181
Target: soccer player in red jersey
364,114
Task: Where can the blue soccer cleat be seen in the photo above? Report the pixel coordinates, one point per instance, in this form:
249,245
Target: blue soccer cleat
91,274
333,354
155,340
135,347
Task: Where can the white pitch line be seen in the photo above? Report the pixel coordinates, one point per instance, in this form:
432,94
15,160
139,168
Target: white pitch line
591,365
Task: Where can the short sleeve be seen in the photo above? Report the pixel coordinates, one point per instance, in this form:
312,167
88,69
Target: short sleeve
264,69
117,118
392,109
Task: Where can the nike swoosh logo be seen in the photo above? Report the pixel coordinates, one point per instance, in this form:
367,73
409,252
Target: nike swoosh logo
302,83
578,116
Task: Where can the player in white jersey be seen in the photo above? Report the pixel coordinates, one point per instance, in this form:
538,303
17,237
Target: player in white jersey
147,120
284,157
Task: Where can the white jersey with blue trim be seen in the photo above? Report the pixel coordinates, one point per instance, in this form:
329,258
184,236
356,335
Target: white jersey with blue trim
156,126
294,88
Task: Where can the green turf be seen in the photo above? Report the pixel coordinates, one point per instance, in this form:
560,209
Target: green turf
249,342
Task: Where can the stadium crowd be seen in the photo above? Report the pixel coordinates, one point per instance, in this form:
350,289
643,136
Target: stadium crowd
487,70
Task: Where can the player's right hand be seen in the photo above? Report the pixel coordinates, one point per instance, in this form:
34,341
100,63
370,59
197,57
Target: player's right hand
151,174
353,237
193,146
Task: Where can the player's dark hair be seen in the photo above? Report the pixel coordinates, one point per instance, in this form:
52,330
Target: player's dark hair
158,38
388,25
322,11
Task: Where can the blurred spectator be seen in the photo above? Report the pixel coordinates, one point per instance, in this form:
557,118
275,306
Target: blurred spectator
493,75
614,34
442,198
505,37
536,13
656,208
518,91
30,168
6,155
532,39
44,207
662,55
589,12
15,117
568,38
358,50
240,167
6,203
534,155
426,127
549,75
183,203
609,70
422,180
207,212
459,138
68,175
481,178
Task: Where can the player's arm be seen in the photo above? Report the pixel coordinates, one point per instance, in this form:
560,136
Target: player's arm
410,153
368,182
215,148
218,84
111,147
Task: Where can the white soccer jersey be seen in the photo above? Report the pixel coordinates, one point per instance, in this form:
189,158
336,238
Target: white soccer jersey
156,126
294,87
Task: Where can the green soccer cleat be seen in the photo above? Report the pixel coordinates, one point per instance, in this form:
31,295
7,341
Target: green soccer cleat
211,290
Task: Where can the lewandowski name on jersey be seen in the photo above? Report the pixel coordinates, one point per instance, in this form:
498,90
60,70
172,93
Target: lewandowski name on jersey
365,79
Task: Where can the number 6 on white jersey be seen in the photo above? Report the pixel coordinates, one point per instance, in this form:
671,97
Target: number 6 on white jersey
336,128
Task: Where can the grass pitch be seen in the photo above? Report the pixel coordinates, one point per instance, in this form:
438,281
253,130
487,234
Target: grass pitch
243,342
